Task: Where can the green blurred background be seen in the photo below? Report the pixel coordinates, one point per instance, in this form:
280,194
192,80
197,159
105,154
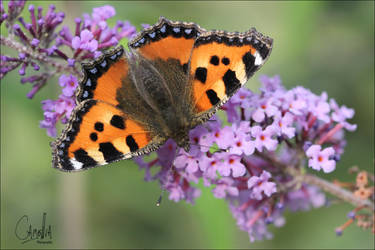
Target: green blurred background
324,46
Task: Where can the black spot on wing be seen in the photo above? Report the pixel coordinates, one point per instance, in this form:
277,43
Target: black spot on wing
212,96
231,82
110,153
132,144
225,60
82,156
214,60
249,60
118,122
94,136
201,74
99,126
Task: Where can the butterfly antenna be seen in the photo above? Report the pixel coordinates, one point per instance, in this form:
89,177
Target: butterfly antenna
214,147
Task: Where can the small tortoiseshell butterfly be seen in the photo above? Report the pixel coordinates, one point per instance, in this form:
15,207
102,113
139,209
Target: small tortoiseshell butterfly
175,77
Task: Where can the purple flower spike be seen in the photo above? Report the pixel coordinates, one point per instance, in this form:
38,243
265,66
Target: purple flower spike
341,114
186,161
37,86
259,185
231,165
22,56
35,66
266,108
263,138
35,42
242,143
49,123
271,84
85,41
223,137
40,9
78,22
32,15
22,70
69,83
71,62
242,98
320,159
266,120
283,125
103,12
14,9
225,187
321,109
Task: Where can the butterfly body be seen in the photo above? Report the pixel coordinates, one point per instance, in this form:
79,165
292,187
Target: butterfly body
175,76
160,90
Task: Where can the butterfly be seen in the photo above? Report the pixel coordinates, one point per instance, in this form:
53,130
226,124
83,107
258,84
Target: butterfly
174,77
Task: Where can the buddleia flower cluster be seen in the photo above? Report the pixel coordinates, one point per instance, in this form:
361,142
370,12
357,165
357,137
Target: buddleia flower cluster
51,49
257,157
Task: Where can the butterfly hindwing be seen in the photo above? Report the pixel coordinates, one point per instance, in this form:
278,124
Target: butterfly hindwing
100,133
221,63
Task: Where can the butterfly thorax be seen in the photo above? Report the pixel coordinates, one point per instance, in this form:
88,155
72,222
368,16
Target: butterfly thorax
157,90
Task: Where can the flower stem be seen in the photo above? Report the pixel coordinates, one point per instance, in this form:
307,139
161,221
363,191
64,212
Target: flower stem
327,186
337,191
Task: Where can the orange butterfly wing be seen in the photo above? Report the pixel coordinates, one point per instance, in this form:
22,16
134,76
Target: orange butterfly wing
221,63
100,129
167,40
99,133
103,77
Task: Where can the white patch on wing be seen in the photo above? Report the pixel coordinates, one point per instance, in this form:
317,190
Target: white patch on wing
258,59
76,164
